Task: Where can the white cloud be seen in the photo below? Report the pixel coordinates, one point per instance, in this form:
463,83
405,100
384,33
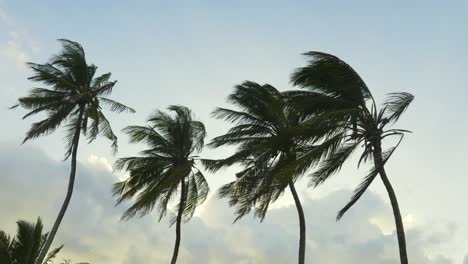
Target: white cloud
100,163
14,50
18,41
92,231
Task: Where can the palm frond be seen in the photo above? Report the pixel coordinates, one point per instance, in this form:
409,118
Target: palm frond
5,244
116,106
106,130
358,192
327,74
28,241
50,124
333,163
396,104
52,254
362,187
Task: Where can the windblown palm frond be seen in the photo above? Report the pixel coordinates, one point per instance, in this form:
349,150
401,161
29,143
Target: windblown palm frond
396,104
5,248
328,75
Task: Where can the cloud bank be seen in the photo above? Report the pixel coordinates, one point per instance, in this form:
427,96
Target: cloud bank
33,185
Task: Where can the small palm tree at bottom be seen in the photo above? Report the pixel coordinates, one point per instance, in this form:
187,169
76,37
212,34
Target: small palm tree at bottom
24,248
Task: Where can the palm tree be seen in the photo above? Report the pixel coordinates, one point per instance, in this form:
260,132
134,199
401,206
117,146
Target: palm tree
25,247
74,97
346,111
166,169
266,135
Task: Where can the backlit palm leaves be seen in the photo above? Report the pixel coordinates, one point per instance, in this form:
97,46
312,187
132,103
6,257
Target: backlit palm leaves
24,248
341,97
267,136
74,96
166,169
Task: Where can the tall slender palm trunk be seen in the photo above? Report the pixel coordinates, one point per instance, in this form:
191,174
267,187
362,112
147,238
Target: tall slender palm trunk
302,226
71,183
379,164
178,223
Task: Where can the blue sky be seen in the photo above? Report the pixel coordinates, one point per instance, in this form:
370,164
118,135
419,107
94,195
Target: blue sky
193,52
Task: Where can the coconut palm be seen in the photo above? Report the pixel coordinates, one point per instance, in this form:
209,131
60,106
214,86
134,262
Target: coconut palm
343,107
166,169
74,97
265,131
24,248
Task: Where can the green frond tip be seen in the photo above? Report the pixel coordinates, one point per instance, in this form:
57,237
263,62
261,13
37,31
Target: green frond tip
52,254
396,104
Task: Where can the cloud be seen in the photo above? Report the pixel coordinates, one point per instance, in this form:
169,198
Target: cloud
99,163
34,185
18,43
16,48
4,18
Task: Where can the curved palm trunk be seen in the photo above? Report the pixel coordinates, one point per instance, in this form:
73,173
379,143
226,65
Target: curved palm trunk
178,223
71,183
302,227
379,164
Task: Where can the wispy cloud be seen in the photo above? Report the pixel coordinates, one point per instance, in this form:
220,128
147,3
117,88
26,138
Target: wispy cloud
18,43
4,18
14,49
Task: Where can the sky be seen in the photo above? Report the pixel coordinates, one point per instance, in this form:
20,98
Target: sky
192,53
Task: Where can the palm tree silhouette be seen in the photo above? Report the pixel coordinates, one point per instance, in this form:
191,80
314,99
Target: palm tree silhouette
25,247
74,97
166,169
338,98
267,135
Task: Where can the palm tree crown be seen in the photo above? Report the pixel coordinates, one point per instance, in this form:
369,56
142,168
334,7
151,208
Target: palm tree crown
264,134
338,98
24,248
75,96
155,176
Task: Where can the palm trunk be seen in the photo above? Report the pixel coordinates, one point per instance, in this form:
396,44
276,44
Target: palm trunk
178,223
71,183
379,164
302,227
